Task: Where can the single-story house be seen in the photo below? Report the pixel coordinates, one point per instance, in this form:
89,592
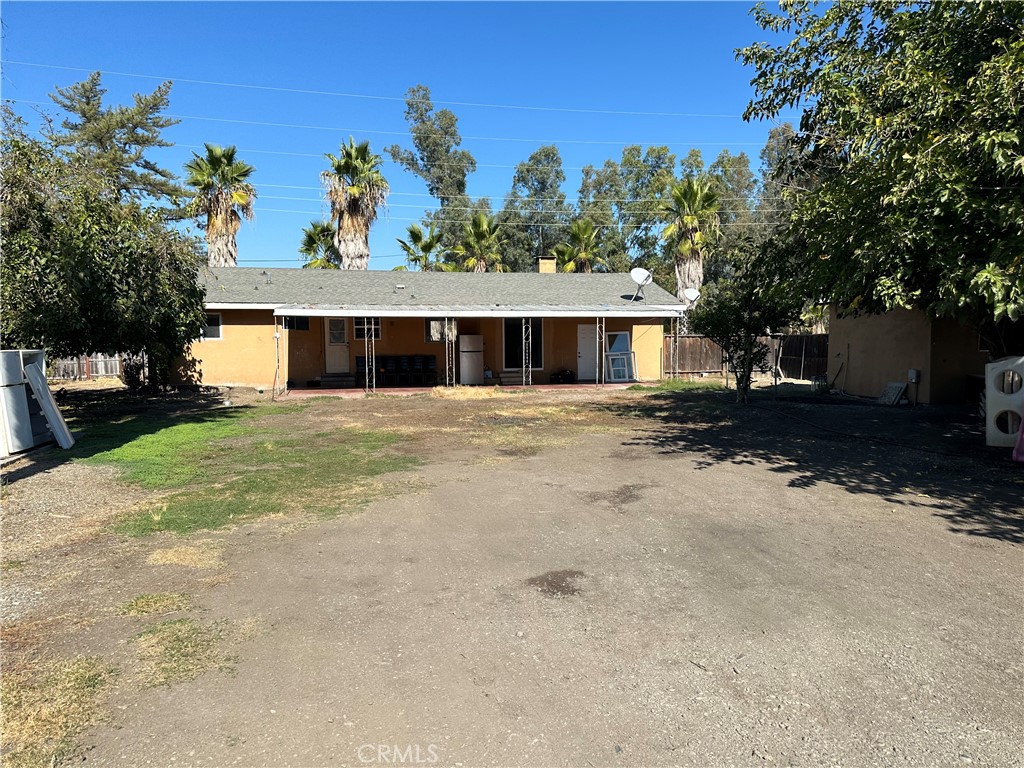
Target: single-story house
293,328
868,351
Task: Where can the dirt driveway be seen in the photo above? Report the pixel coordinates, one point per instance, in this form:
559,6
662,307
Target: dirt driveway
578,580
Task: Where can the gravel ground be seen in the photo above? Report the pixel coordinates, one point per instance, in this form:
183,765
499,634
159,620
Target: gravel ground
590,579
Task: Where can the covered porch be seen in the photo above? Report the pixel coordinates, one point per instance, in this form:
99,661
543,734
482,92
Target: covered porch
370,347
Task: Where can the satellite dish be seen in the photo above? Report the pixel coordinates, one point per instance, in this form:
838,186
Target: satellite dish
691,295
641,277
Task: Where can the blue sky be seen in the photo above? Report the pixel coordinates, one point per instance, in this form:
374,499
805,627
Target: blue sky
619,57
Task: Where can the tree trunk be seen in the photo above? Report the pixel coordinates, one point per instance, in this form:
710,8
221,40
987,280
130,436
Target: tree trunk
353,250
689,274
222,250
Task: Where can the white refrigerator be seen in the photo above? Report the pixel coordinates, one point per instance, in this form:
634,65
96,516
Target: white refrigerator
471,360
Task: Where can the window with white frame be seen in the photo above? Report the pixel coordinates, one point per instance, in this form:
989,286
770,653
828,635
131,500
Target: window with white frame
295,323
212,329
363,325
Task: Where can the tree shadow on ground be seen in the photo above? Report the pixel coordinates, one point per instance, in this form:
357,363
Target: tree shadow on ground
102,420
933,458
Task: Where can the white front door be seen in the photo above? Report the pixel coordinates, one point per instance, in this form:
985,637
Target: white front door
586,352
335,345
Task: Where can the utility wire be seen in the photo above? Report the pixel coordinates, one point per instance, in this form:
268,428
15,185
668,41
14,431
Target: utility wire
280,89
512,223
336,129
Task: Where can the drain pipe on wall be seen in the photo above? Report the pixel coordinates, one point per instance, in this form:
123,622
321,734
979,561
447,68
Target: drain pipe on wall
277,360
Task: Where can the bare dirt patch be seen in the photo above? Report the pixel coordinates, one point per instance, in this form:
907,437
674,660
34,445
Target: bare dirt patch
784,583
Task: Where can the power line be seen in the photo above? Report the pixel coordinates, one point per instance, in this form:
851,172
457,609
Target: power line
517,223
280,89
569,200
425,207
349,130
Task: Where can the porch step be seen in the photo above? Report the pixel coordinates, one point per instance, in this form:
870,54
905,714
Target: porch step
514,378
338,381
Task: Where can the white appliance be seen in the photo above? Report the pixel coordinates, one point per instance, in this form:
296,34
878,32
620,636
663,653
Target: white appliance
1004,401
471,360
22,423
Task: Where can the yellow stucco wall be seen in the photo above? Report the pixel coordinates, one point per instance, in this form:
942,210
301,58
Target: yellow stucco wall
877,349
243,356
245,353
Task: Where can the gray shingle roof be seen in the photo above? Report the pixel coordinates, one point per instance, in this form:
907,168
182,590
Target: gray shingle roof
370,289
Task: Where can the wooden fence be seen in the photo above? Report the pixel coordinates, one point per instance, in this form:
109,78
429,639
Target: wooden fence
694,355
85,367
803,356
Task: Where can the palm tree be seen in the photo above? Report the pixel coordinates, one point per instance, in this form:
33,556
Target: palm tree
318,246
693,221
224,196
579,252
421,250
480,249
355,189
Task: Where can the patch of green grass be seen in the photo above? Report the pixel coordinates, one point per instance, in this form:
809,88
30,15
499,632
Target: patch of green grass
181,649
680,385
9,564
46,705
160,602
261,471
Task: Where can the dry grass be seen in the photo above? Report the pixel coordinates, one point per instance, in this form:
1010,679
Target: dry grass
202,555
45,704
160,602
474,393
180,649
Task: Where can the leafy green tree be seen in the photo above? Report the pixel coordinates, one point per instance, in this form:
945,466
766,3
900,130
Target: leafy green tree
692,165
912,131
114,141
623,199
580,251
738,312
482,247
736,185
535,215
601,191
437,159
318,246
692,212
646,180
356,189
222,197
85,270
423,250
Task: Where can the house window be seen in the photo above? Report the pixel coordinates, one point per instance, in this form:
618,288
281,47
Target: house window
433,329
212,328
296,323
364,324
514,343
336,331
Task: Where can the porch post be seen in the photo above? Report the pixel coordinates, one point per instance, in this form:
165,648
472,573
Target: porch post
449,353
370,351
527,352
599,357
674,355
